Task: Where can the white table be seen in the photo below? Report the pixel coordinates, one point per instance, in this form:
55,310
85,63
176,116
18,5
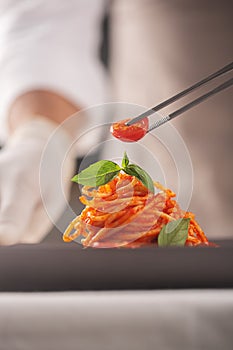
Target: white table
130,320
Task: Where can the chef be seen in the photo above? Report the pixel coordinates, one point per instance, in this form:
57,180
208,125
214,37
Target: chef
50,69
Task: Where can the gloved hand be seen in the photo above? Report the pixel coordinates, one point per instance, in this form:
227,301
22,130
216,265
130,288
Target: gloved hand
35,178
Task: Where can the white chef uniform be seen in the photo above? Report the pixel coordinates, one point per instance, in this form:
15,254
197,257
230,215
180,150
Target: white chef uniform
51,45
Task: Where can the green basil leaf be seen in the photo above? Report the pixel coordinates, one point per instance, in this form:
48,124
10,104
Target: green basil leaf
174,233
140,174
125,161
98,173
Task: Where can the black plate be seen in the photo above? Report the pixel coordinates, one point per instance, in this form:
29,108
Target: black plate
69,267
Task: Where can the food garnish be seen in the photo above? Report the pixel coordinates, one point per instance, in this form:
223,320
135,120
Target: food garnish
103,171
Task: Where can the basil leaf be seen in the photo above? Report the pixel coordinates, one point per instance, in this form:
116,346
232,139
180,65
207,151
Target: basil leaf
174,233
98,173
125,160
140,174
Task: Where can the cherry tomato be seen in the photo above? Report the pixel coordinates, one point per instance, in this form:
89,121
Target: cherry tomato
130,133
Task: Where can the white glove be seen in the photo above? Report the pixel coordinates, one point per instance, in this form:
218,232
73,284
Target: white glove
33,193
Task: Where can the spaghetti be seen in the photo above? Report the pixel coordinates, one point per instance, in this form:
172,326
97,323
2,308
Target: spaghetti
125,213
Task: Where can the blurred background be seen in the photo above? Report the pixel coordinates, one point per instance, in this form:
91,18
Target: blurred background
133,52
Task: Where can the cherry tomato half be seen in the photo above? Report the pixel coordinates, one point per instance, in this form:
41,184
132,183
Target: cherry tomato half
130,133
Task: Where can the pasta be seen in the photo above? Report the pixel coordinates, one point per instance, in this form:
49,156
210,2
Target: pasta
124,213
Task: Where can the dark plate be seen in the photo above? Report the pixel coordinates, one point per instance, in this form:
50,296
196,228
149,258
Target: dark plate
69,267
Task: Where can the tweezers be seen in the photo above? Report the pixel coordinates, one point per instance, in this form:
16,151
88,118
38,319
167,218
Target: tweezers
183,93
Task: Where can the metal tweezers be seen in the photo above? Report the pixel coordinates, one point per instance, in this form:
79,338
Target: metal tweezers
181,94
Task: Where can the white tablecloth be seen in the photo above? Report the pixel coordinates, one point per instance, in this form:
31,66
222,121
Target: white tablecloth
137,320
